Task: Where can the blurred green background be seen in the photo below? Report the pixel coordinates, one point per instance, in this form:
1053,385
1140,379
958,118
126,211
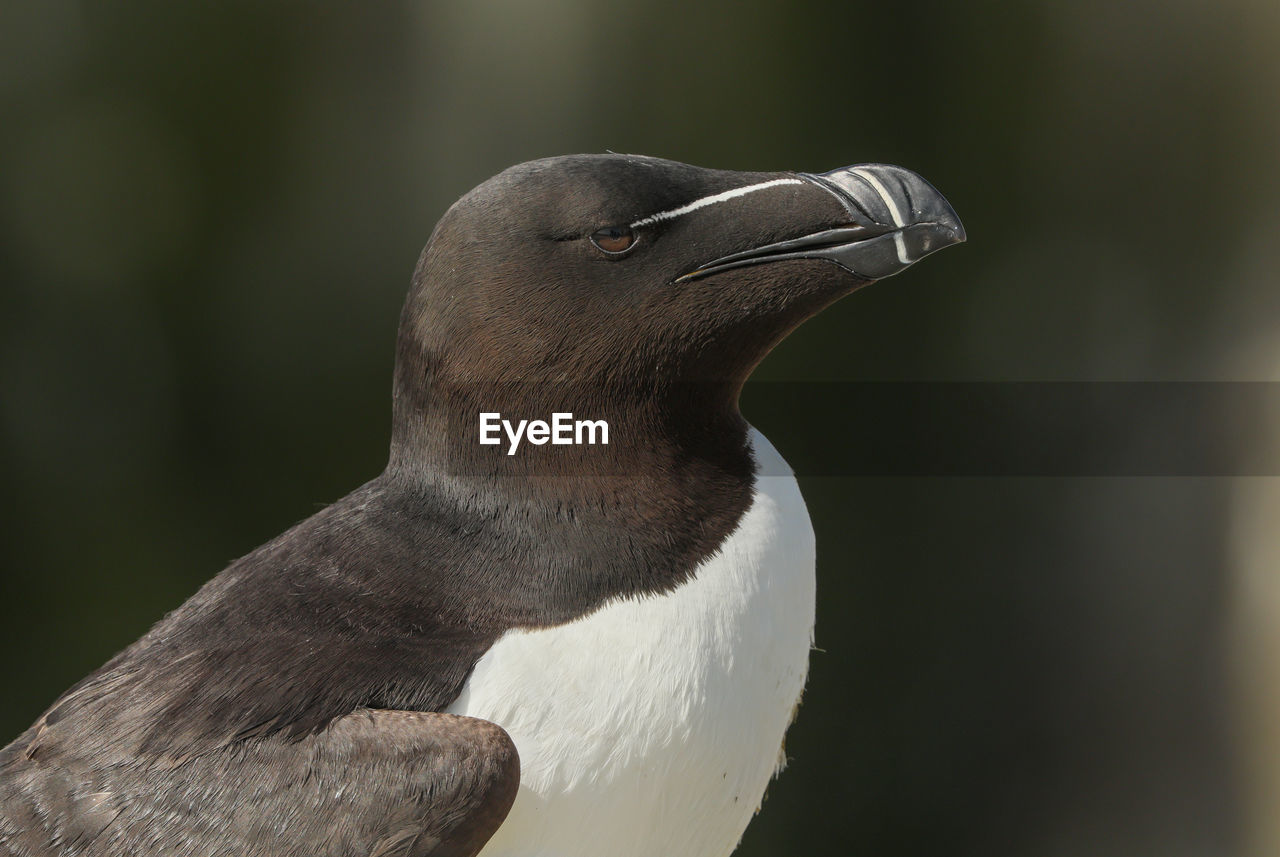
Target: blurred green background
209,213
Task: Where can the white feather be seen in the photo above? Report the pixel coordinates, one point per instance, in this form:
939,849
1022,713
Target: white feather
652,726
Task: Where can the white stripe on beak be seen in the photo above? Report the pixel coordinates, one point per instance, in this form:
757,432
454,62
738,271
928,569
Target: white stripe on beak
711,200
898,221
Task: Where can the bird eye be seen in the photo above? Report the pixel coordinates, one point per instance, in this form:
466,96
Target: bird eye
614,240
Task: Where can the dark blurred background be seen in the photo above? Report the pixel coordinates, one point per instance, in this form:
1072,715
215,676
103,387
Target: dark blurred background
209,213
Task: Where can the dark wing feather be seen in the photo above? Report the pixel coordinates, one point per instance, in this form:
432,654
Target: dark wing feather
392,783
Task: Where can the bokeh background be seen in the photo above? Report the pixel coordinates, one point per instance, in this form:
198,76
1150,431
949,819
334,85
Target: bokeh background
209,213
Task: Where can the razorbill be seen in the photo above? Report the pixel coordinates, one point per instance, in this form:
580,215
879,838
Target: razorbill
564,649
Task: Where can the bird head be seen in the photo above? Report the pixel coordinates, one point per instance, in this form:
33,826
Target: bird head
627,283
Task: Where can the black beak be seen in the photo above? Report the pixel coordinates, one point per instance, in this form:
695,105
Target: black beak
896,218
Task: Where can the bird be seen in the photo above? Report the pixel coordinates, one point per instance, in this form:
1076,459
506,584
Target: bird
570,646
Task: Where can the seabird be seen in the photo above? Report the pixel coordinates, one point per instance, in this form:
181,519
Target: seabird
563,649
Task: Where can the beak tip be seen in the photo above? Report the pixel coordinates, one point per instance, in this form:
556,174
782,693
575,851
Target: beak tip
893,196
953,233
950,222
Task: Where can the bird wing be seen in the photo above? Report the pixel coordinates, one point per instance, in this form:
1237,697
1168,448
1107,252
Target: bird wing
374,783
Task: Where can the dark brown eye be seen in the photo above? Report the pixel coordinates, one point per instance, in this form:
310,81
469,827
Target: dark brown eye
614,240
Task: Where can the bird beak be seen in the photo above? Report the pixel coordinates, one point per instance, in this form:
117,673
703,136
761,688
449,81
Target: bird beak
896,218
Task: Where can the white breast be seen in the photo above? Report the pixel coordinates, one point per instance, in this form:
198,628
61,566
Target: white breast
652,726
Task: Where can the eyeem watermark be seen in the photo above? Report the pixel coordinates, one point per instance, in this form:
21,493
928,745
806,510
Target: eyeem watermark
563,430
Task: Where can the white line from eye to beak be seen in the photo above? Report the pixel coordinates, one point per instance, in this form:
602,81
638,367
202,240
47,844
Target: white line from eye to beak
898,242
710,200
